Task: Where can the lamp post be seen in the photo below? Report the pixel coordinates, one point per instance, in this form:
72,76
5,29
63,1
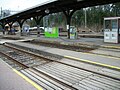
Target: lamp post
45,19
76,17
85,19
1,12
47,11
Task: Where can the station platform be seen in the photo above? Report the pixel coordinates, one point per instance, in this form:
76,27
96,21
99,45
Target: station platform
112,62
85,41
104,56
11,80
99,42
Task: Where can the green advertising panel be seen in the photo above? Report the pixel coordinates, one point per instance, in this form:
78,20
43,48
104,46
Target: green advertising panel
52,32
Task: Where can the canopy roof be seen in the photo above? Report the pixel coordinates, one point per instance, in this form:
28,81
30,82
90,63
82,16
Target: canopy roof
55,6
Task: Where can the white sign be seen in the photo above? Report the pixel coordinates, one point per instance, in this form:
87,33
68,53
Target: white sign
67,27
114,35
106,35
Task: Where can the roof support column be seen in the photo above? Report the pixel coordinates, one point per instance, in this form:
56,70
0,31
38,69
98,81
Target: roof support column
3,25
37,20
21,24
68,15
10,25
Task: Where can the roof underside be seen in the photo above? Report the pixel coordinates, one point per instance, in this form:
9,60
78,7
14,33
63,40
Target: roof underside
56,6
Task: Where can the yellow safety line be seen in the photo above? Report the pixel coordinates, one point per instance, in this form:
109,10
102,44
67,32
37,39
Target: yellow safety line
102,55
110,46
92,62
28,80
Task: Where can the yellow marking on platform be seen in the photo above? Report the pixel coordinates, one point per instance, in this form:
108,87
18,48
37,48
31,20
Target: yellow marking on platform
92,62
28,80
110,46
102,55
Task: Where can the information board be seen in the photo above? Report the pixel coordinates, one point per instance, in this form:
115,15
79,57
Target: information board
52,32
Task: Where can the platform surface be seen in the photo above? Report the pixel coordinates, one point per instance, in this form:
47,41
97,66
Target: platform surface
9,80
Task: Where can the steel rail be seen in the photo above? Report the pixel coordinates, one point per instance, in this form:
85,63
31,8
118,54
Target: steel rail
58,61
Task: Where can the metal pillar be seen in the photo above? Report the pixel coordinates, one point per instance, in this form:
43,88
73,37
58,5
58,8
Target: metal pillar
3,27
68,13
85,19
37,20
21,23
10,24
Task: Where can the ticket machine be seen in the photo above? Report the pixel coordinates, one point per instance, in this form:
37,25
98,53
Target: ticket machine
112,29
73,32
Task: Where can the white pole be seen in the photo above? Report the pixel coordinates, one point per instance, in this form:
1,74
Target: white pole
1,12
85,19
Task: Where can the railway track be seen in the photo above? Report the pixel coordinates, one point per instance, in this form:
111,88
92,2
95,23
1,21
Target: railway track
52,74
28,62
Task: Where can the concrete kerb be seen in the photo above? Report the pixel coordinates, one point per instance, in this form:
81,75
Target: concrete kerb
65,42
91,46
37,51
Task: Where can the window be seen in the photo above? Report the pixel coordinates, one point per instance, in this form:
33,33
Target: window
107,24
114,24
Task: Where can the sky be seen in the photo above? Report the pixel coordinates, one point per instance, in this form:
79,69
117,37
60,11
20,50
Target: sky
19,5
